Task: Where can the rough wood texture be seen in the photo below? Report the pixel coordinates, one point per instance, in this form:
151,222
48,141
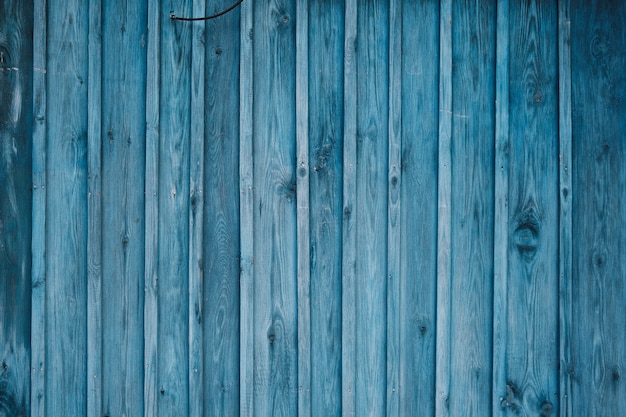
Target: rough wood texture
598,214
16,26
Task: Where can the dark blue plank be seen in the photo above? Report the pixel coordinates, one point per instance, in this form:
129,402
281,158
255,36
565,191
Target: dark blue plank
16,59
123,175
66,215
598,37
325,129
221,216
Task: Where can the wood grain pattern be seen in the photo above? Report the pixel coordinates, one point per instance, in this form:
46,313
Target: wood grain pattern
66,215
221,243
275,240
472,207
16,20
598,213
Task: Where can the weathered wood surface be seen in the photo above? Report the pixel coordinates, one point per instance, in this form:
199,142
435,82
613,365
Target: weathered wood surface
16,83
312,208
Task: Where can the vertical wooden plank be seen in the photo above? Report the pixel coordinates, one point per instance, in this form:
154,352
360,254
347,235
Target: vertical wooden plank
598,213
565,210
348,244
275,239
66,225
419,206
394,224
123,176
196,212
303,232
38,246
94,213
221,263
371,187
246,212
532,289
501,214
151,234
325,134
444,216
16,110
472,207
173,263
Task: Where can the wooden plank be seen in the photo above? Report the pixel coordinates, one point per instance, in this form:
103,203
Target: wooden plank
348,243
173,252
16,112
38,246
221,244
472,208
394,223
303,231
246,212
565,210
598,83
123,175
275,239
533,284
444,217
325,134
151,234
196,213
501,213
418,218
371,188
66,215
94,213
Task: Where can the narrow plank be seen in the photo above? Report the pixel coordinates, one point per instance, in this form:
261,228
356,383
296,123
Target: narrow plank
123,176
38,246
418,206
94,213
246,212
348,243
151,233
325,134
221,264
444,215
532,320
196,213
394,202
275,238
303,231
565,210
598,213
501,214
16,111
173,223
66,215
371,187
472,210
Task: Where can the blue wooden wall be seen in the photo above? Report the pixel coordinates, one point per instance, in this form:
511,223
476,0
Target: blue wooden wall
313,208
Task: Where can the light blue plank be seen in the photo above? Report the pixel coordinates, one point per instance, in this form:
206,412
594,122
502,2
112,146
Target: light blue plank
348,244
419,205
173,252
325,131
472,209
66,211
221,220
16,111
598,42
275,240
38,247
371,187
533,284
123,175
